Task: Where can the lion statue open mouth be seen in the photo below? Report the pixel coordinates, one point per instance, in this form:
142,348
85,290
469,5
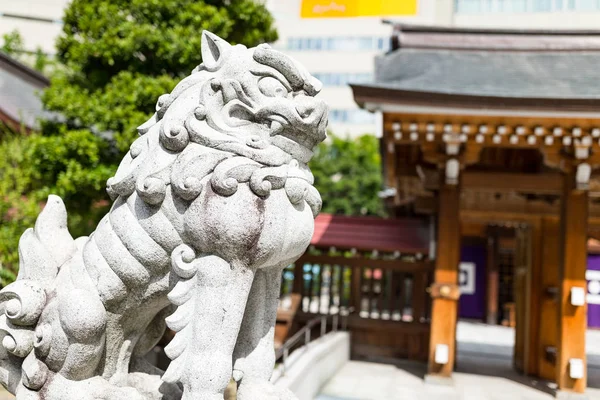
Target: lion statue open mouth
211,202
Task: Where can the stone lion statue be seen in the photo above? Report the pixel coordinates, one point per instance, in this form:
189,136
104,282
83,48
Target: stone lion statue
212,201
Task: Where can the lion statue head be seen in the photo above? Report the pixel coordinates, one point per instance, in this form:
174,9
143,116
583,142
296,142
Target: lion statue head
257,104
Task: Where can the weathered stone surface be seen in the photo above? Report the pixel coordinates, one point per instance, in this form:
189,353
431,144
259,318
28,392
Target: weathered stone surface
211,202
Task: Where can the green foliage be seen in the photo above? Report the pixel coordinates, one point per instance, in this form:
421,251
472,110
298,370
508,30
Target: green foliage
41,61
67,164
348,175
152,37
13,45
17,212
116,57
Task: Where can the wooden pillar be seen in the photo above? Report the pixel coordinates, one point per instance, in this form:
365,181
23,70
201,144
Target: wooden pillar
522,238
445,291
534,297
298,286
548,332
572,318
492,278
388,149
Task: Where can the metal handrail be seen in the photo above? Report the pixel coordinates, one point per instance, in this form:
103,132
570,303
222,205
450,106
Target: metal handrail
284,351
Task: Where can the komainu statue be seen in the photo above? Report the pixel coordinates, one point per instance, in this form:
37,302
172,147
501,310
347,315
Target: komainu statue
212,201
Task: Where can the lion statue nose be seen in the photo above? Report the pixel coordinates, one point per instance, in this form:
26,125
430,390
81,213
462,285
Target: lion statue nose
310,109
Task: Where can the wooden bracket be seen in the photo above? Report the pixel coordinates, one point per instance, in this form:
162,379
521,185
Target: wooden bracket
448,291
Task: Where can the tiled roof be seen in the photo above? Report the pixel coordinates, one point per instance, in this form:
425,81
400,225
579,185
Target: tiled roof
371,233
491,63
19,92
520,74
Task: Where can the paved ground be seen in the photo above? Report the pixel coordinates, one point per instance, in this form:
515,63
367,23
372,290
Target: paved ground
370,381
481,338
477,340
484,372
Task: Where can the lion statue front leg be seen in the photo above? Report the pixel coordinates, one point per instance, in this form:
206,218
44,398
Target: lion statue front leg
254,356
211,297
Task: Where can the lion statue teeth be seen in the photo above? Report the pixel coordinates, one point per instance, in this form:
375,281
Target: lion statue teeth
211,202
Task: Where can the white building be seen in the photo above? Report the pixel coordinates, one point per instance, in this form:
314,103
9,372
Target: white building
340,49
524,14
38,21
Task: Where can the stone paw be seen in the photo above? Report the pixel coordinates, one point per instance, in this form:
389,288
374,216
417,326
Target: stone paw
97,388
262,390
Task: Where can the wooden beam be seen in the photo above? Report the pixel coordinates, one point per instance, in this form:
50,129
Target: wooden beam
493,280
572,320
534,295
389,166
425,205
498,216
476,229
298,285
444,304
520,295
509,121
542,183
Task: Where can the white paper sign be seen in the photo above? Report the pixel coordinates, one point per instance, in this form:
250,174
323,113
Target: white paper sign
466,277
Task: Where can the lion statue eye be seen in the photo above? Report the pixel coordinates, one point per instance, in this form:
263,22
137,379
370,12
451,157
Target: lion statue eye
272,87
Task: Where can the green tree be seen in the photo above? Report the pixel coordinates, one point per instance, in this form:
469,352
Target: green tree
115,58
348,175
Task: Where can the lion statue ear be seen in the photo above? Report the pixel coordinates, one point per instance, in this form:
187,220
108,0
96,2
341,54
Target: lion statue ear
214,50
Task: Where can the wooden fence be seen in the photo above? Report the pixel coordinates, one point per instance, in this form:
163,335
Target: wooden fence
386,301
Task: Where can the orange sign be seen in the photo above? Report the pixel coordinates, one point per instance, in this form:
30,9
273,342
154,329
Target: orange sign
357,8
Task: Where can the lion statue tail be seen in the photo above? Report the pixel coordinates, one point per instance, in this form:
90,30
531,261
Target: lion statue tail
42,251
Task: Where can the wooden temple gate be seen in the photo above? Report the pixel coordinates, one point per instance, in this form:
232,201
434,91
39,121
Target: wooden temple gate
562,271
496,128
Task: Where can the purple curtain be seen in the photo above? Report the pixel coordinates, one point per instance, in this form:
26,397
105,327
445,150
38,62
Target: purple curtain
593,290
471,279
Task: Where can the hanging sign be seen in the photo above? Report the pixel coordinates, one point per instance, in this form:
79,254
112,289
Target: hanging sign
357,8
466,277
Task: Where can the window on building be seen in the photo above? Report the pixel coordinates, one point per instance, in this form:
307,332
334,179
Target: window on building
342,79
468,6
542,5
589,5
291,43
365,43
520,6
512,6
338,43
353,116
